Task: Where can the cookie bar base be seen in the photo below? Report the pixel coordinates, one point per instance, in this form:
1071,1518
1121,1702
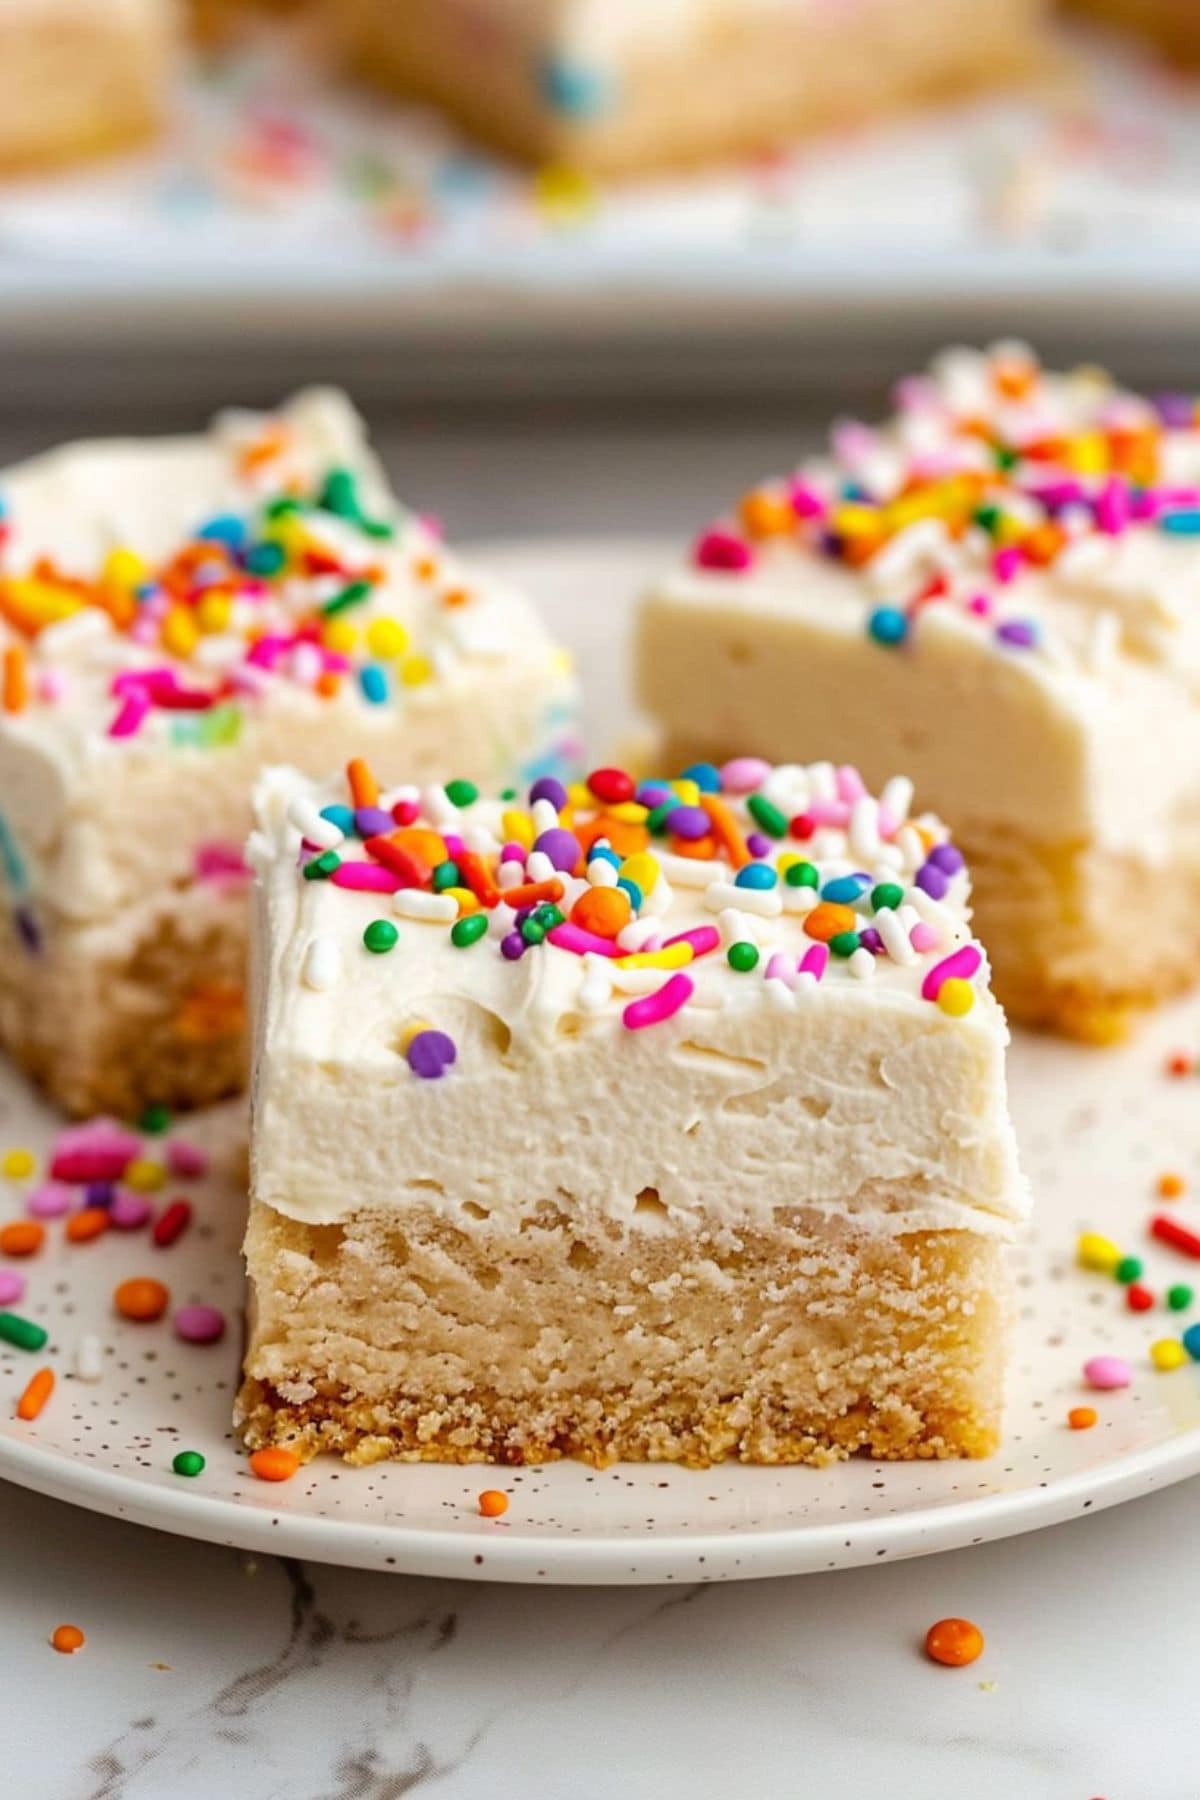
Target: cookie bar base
109,1023
1174,25
429,1338
741,85
83,84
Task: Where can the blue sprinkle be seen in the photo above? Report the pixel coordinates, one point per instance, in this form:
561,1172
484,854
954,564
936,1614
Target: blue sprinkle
602,853
706,777
341,816
844,891
1191,1342
634,892
888,625
572,88
756,875
223,528
374,683
854,492
1185,523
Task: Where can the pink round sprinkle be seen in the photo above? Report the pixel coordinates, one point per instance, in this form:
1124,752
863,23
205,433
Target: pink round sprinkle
50,1201
199,1324
12,1286
744,774
186,1160
1107,1372
719,549
129,1211
923,937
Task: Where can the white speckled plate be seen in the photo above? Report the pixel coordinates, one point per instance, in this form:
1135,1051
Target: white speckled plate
1096,1130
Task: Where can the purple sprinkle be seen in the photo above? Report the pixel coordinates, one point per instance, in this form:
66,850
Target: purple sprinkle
50,1201
870,940
758,844
562,847
99,1193
1177,411
946,857
653,793
932,881
513,946
12,1286
27,929
547,788
199,1324
129,1211
691,823
430,1054
1020,633
372,821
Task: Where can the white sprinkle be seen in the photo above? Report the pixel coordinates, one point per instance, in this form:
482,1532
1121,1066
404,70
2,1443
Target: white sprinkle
479,839
896,799
600,873
89,1358
822,781
894,935
806,984
438,807
545,817
309,823
934,913
778,992
510,874
909,844
414,903
763,901
636,935
322,964
1104,641
658,900
864,828
798,900
690,871
861,964
735,927
79,629
538,867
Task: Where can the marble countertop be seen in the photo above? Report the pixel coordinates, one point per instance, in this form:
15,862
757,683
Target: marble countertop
209,1672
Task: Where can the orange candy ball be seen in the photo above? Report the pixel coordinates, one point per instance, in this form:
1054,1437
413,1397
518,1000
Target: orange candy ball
23,1237
492,1503
602,910
953,1642
828,919
141,1298
66,1639
275,1463
1082,1418
1170,1186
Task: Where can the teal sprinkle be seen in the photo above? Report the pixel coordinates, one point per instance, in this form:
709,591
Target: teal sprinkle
374,683
265,558
1182,524
10,858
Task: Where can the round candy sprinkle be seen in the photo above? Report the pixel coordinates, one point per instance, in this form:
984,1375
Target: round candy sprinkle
1097,1252
50,1201
129,1212
276,1463
12,1286
144,1174
953,1643
18,1165
889,894
1179,1297
493,1503
199,1324
1170,1186
802,874
1129,1269
612,787
188,1462
1082,1418
843,891
743,957
691,823
844,943
547,788
705,775
380,936
462,793
22,1237
1168,1353
759,876
83,1226
67,1639
1138,1298
1191,1342
562,848
468,931
888,625
956,997
1109,1371
142,1299
430,1054
742,774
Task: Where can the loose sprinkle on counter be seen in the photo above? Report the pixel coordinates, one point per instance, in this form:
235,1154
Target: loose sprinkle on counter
276,1463
67,1639
37,1391
1082,1418
141,1299
954,1643
493,1503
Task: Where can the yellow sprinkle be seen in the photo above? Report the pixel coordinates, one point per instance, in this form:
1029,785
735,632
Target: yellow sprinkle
853,520
415,671
518,828
339,635
289,531
563,192
467,902
956,997
580,794
1097,1252
642,868
629,812
562,662
31,604
214,612
386,638
18,1164
179,634
1087,454
412,1031
1168,1353
787,861
123,569
688,792
144,1175
672,956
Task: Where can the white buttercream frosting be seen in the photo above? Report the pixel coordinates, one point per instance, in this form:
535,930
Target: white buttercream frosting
846,1087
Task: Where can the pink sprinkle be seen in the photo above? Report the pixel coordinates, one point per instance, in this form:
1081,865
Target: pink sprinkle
366,878
186,1159
1006,563
923,937
268,650
1056,494
1112,509
850,784
130,715
815,961
830,812
50,1201
960,965
12,1286
433,525
51,687
724,550
980,605
583,943
702,938
199,1324
1107,1372
781,968
653,1008
217,862
743,774
805,501
129,1211
99,1164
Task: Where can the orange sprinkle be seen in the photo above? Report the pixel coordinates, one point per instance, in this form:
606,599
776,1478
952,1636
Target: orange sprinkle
425,568
363,786
827,919
764,514
699,849
264,449
953,1642
274,1464
37,1391
605,911
16,679
66,1639
1170,1186
530,892
419,841
458,596
328,683
726,830
83,1226
477,877
141,1298
1082,1418
23,1237
492,1503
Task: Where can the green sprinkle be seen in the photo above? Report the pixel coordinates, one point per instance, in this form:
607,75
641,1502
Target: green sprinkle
802,874
1179,1297
769,817
446,875
23,1333
508,793
265,558
286,505
377,528
988,517
320,868
339,495
462,793
155,1120
188,1462
352,595
1005,457
889,894
742,957
844,943
380,936
468,931
656,818
1129,1269
532,932
548,915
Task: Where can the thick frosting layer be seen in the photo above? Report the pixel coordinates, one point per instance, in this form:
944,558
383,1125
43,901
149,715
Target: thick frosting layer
1006,576
176,614
744,989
